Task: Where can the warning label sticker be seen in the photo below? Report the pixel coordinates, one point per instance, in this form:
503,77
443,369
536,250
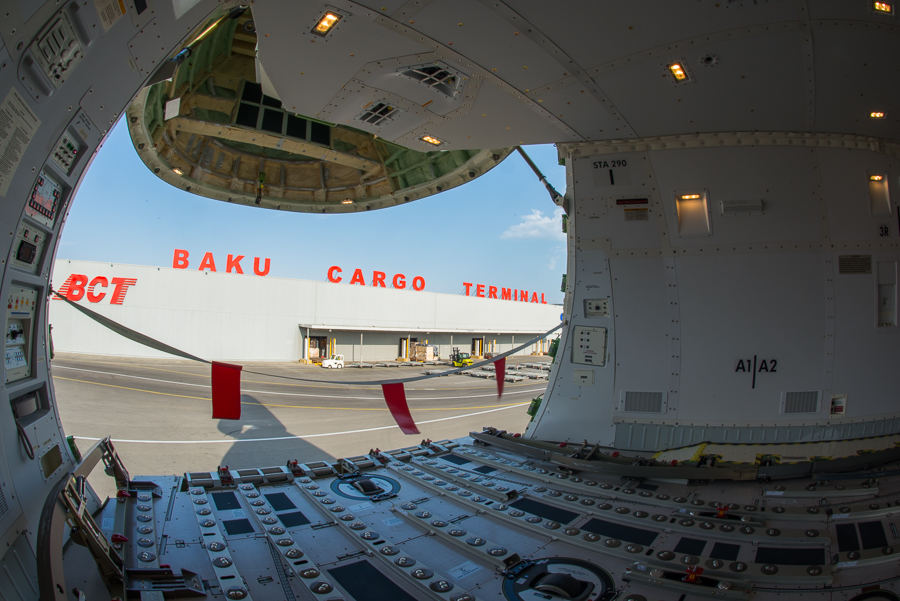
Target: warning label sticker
18,124
637,214
464,569
110,11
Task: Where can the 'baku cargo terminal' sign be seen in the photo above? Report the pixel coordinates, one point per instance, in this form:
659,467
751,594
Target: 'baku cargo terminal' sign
180,261
505,293
378,279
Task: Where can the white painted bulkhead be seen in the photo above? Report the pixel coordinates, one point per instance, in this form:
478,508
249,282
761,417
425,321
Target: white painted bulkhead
740,326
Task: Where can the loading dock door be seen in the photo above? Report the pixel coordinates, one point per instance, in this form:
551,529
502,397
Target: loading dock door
477,346
404,346
318,347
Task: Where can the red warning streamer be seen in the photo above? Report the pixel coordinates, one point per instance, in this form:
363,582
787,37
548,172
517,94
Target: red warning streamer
500,365
395,397
226,390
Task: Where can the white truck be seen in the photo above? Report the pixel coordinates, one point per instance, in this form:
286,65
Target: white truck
335,362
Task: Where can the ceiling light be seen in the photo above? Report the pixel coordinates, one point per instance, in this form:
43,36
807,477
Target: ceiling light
177,171
883,7
325,24
347,201
431,140
678,72
876,115
689,196
876,178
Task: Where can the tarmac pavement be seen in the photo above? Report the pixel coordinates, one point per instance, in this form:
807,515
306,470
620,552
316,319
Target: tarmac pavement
158,412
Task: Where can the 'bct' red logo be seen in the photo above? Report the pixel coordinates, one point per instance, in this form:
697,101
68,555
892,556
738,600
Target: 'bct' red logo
77,287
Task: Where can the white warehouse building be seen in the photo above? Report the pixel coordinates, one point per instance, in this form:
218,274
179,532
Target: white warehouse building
231,317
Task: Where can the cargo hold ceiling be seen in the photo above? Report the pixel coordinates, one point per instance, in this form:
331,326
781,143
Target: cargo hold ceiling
543,72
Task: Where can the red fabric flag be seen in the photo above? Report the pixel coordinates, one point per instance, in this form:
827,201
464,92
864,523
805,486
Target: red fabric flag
395,397
226,390
500,365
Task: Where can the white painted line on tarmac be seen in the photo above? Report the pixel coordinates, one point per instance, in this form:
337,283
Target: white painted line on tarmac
430,421
314,396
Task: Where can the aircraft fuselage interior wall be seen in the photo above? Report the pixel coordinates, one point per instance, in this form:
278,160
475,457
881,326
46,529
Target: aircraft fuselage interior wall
731,287
737,290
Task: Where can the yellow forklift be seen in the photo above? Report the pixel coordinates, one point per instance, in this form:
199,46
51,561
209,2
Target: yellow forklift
460,359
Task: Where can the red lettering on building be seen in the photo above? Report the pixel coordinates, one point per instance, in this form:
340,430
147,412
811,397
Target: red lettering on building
207,263
180,260
379,279
76,287
122,286
512,294
358,278
232,263
97,281
73,287
256,268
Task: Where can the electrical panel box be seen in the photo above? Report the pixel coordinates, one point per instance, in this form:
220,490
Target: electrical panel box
838,406
28,248
589,346
597,307
46,200
584,377
57,49
66,152
20,312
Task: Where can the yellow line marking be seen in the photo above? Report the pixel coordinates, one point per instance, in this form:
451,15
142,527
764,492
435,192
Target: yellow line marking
182,396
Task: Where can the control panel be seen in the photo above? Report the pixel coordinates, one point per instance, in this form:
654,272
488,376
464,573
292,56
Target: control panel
20,311
28,248
57,49
596,307
65,153
589,346
45,201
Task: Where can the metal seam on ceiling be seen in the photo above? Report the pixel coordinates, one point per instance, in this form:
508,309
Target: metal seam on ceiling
809,64
563,59
727,139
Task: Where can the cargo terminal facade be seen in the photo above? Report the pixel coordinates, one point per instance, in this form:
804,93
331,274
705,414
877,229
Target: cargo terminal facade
231,317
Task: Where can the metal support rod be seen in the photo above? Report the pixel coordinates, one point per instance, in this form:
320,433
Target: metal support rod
554,195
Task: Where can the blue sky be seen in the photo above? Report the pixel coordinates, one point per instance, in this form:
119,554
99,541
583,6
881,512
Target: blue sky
500,229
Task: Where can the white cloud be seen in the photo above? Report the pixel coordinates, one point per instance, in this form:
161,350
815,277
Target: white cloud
557,256
537,225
